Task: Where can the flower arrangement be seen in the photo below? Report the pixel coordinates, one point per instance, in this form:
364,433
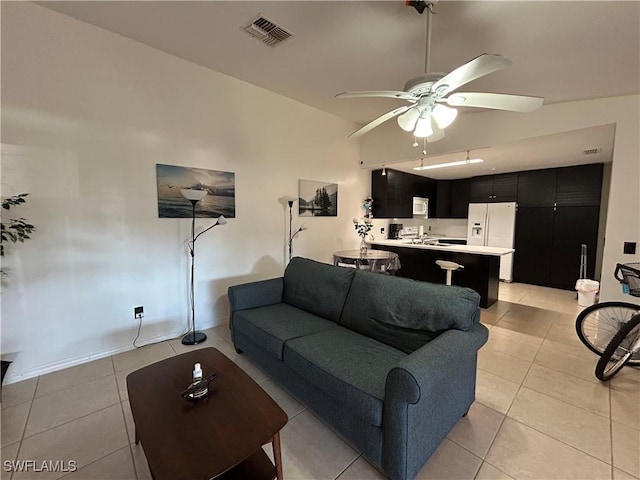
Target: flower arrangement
362,229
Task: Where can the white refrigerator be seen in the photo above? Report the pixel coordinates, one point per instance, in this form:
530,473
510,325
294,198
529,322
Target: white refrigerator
494,225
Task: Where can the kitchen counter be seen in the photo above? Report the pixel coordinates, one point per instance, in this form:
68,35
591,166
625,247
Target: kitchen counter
471,249
481,265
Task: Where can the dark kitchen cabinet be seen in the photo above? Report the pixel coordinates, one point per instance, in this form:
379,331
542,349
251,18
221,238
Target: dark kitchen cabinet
393,193
537,188
481,189
579,186
505,187
425,187
390,196
443,199
460,198
572,227
494,188
533,244
548,244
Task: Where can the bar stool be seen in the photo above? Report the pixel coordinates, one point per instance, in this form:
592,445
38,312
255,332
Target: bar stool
449,267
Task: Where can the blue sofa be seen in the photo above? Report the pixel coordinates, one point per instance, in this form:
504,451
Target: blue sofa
388,362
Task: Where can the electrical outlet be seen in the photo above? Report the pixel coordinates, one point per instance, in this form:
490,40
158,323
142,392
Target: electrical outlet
138,312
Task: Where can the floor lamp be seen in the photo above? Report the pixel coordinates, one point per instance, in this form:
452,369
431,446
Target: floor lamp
302,227
194,196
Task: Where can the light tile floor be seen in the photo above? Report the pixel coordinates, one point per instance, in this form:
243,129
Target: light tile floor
540,412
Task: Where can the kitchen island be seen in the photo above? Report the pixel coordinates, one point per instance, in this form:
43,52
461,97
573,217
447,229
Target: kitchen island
481,264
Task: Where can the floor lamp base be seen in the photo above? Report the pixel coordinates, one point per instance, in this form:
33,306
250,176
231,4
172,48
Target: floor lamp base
193,338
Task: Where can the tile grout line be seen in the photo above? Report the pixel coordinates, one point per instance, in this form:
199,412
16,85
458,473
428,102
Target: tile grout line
347,467
67,475
26,422
124,418
611,429
560,441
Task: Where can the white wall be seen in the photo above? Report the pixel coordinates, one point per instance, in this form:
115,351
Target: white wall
388,143
86,115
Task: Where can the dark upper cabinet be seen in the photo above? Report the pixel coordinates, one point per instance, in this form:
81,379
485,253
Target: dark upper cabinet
460,198
402,186
537,188
481,189
443,199
505,187
393,193
579,186
494,188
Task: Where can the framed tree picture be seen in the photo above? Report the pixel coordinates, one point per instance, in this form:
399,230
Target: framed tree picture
317,199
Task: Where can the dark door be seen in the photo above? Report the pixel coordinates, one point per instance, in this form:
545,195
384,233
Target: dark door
533,244
572,227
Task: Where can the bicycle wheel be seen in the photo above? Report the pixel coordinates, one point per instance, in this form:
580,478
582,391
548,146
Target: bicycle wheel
623,345
596,325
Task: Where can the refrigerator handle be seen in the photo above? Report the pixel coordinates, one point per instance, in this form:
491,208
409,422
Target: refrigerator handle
486,230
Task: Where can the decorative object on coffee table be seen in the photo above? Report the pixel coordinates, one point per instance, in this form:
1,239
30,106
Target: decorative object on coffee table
222,434
194,196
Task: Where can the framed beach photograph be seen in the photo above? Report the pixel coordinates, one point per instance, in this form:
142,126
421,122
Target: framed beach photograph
317,199
220,188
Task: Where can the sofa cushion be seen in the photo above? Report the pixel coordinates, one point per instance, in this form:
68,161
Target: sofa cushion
317,288
347,366
271,326
405,313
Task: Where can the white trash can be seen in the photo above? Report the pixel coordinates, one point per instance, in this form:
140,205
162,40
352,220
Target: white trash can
587,290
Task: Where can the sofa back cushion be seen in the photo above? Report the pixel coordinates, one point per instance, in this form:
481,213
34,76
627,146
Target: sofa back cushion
406,313
317,288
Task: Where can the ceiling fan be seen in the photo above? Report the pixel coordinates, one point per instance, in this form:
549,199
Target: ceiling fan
427,115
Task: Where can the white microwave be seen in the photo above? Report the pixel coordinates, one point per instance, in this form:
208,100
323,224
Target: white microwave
421,206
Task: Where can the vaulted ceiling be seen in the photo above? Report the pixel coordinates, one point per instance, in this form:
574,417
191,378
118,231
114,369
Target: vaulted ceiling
561,50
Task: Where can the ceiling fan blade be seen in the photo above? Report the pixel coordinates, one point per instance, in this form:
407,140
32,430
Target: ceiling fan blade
380,120
478,67
379,93
497,101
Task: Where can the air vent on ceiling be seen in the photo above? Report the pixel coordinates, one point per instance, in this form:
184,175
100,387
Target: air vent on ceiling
267,31
591,151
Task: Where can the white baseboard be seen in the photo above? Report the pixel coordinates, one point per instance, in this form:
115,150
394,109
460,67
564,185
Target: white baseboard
72,362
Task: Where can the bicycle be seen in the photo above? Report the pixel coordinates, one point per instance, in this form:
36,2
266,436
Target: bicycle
624,345
598,325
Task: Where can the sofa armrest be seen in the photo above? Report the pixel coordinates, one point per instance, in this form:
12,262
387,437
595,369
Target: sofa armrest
425,396
255,294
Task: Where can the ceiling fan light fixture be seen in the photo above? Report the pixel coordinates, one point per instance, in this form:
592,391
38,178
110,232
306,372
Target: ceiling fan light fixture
407,120
423,125
444,116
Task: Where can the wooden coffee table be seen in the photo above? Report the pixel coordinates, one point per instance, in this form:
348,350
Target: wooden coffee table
220,436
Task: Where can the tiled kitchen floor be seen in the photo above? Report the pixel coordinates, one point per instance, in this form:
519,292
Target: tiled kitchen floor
540,412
